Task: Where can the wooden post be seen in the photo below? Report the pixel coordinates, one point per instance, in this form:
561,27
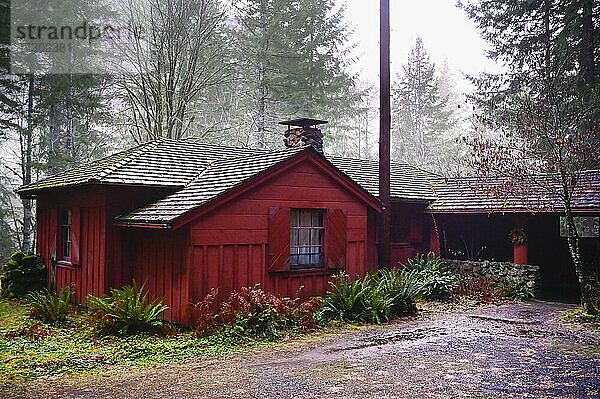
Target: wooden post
384,133
434,238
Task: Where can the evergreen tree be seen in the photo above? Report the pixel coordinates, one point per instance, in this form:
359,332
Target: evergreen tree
533,39
295,56
544,110
420,114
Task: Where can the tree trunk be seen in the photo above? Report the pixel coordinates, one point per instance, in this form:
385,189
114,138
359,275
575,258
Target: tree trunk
26,169
69,136
588,283
261,76
588,68
547,37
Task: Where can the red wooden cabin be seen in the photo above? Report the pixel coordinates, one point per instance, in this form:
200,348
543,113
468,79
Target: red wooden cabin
187,217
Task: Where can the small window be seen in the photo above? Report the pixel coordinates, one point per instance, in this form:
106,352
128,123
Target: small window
64,229
306,238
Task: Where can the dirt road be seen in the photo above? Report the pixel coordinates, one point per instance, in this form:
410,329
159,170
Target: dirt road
511,351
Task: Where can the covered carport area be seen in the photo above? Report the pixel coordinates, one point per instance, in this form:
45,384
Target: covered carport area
477,219
486,236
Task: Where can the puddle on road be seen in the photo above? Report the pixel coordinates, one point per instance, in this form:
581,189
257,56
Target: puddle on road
400,336
505,320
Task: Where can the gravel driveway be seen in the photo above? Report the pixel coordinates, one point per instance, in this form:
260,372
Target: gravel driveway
511,351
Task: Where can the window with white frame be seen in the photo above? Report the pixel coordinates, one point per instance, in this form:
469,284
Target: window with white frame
306,238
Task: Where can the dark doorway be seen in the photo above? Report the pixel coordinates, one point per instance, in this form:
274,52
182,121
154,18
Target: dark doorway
476,236
550,251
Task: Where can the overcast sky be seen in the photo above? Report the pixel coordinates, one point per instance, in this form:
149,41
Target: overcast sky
446,31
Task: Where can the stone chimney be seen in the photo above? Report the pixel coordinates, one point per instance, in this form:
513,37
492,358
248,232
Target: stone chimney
304,132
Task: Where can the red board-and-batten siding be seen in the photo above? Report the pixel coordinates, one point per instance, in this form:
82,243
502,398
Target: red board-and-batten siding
88,273
97,242
230,246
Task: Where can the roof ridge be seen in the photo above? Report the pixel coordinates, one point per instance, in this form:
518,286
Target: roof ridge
134,152
405,164
202,141
227,158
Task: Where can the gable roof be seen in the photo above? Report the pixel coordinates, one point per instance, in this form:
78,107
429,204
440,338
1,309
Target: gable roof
493,194
162,162
206,171
223,177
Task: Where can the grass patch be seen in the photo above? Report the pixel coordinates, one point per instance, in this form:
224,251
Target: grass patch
12,315
29,349
579,315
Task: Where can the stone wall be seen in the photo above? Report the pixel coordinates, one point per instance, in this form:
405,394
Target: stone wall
497,271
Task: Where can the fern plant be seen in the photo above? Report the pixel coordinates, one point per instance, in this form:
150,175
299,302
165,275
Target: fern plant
404,286
422,262
376,298
438,282
127,310
50,308
345,300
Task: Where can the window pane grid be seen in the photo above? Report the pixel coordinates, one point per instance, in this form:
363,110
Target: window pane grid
306,238
65,234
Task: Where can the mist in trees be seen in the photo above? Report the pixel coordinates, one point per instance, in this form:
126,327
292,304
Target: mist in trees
167,59
424,114
224,71
293,60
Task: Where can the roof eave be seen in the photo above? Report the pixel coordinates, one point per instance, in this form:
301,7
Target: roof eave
142,224
499,210
32,193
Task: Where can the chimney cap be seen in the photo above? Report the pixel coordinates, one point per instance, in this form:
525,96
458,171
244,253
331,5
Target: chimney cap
303,122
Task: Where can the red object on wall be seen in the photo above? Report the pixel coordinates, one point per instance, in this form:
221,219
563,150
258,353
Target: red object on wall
75,235
520,254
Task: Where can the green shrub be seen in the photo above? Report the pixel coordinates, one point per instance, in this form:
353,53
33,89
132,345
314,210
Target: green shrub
127,311
50,308
509,288
438,281
424,262
21,274
376,298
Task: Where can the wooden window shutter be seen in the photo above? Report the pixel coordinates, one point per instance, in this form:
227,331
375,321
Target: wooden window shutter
75,228
335,239
279,240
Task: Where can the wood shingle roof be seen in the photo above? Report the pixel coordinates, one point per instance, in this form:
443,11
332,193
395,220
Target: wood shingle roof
215,179
406,181
486,195
205,171
161,162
